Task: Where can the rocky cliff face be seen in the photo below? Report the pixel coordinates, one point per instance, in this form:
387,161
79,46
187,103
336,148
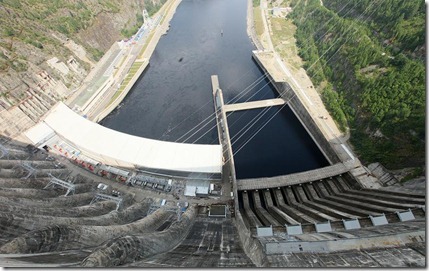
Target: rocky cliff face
48,47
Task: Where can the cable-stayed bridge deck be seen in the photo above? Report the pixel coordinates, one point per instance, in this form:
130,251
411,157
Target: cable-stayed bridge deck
253,105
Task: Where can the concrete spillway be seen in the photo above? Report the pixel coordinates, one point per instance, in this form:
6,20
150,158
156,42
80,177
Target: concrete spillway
326,200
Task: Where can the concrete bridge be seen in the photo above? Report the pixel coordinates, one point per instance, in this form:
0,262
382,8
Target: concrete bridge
296,178
253,105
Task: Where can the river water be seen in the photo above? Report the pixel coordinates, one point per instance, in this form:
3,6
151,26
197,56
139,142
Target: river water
173,101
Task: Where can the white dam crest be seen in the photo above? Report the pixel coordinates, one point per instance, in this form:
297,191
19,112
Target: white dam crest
115,148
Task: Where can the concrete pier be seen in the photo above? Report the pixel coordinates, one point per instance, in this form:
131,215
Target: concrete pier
228,170
253,105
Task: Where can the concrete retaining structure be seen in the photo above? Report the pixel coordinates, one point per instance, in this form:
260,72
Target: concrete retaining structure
124,93
251,246
296,178
298,108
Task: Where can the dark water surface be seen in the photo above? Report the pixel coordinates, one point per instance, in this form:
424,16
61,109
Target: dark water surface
173,99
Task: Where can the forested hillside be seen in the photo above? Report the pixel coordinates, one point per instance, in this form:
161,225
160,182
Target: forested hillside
367,58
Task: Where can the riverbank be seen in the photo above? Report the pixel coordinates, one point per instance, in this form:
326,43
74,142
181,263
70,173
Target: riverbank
122,65
163,16
310,102
297,78
251,30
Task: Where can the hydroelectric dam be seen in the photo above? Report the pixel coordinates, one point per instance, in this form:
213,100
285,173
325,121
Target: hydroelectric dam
130,193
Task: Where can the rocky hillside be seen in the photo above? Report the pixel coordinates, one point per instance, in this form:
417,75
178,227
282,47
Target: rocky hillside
47,47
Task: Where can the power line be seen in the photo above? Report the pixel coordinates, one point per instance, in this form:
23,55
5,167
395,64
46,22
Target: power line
239,95
208,118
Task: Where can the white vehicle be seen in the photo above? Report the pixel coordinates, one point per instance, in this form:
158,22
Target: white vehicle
102,186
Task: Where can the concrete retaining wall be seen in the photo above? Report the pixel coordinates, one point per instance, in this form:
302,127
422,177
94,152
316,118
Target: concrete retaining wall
124,93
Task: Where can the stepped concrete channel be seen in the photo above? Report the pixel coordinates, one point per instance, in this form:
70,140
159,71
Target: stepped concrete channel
344,216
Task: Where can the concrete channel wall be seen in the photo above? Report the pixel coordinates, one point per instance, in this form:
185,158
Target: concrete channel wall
252,247
288,94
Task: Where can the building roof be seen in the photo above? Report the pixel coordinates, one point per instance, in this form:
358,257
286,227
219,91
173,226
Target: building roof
196,187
